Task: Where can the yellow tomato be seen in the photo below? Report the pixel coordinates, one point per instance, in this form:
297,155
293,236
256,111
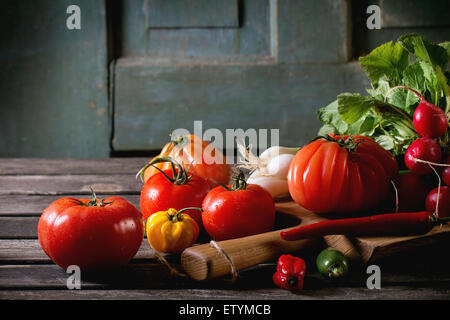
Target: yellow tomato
171,230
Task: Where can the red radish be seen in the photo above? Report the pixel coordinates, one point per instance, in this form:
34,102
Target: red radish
443,208
421,151
446,176
446,172
412,192
429,120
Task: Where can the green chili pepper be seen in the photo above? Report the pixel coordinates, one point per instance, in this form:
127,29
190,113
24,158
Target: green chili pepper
332,263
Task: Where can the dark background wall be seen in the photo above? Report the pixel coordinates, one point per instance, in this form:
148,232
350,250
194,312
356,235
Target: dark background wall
139,69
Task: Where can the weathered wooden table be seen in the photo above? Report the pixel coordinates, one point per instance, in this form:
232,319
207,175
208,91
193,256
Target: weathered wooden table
28,186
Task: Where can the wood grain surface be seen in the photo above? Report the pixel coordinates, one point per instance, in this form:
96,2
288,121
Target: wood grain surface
27,273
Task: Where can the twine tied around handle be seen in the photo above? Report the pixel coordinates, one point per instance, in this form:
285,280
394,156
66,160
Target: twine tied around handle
213,244
173,271
234,272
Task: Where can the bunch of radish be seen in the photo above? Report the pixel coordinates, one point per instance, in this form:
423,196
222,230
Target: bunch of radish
424,155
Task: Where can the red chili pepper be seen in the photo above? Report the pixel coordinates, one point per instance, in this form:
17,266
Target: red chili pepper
384,224
290,273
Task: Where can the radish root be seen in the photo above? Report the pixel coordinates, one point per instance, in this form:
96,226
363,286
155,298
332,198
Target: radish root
432,164
436,213
396,196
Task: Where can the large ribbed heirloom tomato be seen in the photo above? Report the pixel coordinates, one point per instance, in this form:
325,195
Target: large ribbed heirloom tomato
341,175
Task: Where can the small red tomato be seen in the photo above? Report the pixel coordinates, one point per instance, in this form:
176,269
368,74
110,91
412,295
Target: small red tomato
290,272
443,208
92,234
164,191
238,211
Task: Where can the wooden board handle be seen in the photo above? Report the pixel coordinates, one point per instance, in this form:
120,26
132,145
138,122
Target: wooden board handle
205,262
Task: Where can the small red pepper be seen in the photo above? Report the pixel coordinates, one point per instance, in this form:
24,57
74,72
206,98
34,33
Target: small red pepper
290,273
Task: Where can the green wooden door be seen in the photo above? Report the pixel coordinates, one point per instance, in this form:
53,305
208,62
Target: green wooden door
54,81
231,64
138,69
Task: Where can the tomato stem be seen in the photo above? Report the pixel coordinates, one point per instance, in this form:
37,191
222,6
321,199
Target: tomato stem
94,201
180,175
239,182
178,140
349,143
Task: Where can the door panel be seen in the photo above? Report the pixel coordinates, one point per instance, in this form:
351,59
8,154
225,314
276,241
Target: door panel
152,101
244,32
192,14
272,67
284,61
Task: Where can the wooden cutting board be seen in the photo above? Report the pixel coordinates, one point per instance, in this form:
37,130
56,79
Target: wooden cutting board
369,249
208,261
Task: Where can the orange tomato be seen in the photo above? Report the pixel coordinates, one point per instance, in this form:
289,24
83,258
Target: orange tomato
197,157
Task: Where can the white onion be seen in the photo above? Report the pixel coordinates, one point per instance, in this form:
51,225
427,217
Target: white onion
279,166
275,186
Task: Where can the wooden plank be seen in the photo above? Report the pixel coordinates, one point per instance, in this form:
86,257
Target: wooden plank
26,251
18,227
333,293
156,275
33,205
42,166
70,184
25,227
225,97
193,14
55,96
414,13
52,276
313,31
21,251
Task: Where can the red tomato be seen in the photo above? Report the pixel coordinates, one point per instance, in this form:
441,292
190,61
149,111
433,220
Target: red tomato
341,175
91,234
161,194
229,214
